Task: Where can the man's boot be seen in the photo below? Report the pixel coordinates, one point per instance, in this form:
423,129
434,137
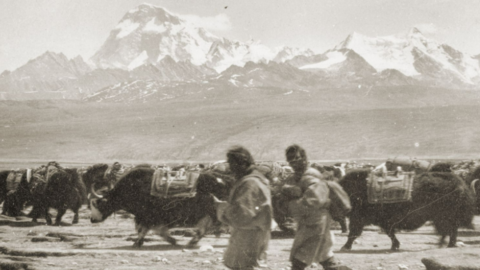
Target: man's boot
333,264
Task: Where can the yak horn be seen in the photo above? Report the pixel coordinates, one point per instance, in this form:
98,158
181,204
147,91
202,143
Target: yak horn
216,200
95,194
472,185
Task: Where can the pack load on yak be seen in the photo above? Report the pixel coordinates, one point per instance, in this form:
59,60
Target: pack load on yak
392,181
164,183
14,178
406,164
403,194
14,190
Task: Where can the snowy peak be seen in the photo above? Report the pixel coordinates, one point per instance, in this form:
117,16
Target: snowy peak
145,11
52,65
272,74
404,52
352,40
414,31
147,18
147,34
225,53
287,53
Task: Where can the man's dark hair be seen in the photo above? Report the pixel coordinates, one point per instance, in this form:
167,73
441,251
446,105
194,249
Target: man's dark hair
293,149
240,155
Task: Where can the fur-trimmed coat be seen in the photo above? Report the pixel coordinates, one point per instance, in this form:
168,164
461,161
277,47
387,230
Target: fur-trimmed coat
249,212
313,240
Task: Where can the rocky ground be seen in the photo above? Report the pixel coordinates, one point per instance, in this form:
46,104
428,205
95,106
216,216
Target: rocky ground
108,245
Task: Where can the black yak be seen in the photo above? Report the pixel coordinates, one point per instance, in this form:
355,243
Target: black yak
440,197
132,194
94,178
64,190
100,177
15,195
473,181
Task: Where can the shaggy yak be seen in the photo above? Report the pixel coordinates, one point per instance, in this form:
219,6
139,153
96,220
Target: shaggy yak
96,181
3,186
64,190
132,194
440,197
473,181
93,178
14,200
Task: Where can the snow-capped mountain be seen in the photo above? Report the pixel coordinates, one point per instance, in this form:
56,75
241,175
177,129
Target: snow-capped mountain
225,53
50,72
270,74
168,70
147,34
156,49
285,53
411,54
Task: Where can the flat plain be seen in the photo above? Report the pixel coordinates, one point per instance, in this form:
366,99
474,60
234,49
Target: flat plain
361,124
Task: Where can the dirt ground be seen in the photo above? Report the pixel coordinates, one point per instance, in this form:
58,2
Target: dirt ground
108,245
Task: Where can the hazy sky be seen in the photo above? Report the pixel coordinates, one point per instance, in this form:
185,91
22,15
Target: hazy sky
28,28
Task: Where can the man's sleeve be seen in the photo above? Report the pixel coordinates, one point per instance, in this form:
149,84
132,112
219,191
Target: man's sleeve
316,196
245,205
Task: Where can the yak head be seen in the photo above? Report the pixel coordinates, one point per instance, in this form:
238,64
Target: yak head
94,176
100,209
213,183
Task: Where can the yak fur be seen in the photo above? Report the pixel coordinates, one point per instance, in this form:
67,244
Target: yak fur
440,197
132,194
64,190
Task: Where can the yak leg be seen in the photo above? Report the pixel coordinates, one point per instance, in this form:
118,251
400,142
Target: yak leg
442,240
75,217
343,224
142,232
453,238
395,243
163,232
37,209
47,216
356,228
75,210
35,213
201,229
60,213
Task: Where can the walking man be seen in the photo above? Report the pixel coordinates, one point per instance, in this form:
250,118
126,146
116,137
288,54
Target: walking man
248,210
309,204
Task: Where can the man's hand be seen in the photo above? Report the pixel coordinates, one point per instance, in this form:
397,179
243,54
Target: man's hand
220,206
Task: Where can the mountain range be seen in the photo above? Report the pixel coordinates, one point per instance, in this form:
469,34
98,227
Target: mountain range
152,52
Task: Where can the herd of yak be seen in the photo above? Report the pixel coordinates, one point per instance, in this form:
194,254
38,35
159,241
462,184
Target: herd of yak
446,194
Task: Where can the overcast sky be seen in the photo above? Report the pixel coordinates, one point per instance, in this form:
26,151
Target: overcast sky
28,28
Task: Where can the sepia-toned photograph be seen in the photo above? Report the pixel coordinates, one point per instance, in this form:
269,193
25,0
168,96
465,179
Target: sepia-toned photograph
247,134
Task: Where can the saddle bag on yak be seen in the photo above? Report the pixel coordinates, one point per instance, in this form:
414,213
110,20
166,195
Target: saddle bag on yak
14,178
165,185
390,187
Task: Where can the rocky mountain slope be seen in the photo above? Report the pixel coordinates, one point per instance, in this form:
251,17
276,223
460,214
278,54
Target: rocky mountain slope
152,47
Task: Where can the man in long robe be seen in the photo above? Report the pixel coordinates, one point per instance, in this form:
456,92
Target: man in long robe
248,211
310,207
